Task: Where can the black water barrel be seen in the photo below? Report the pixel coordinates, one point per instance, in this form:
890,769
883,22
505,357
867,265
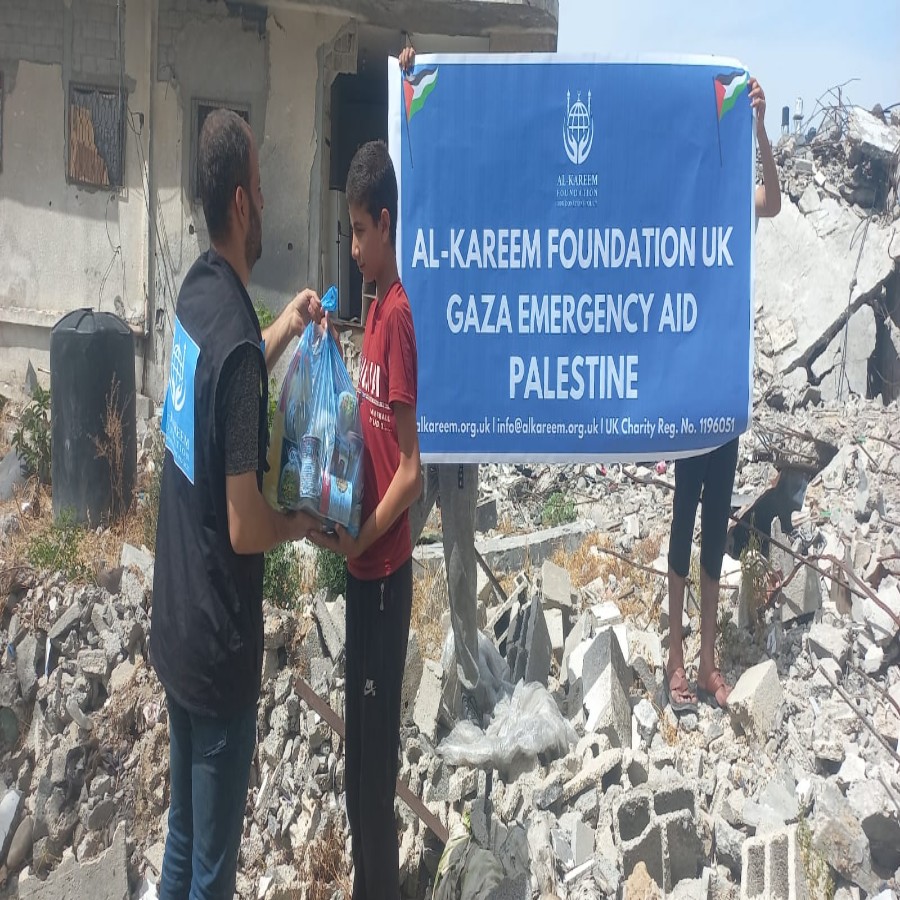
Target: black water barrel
92,364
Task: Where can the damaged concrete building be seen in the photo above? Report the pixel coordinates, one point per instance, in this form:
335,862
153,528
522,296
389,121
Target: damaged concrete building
101,103
827,291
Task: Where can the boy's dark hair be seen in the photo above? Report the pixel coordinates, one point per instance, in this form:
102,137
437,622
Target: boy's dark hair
372,184
223,166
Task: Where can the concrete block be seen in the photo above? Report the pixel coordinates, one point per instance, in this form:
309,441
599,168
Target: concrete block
556,629
828,642
598,772
486,515
581,631
647,720
514,888
509,554
582,843
756,699
606,703
772,867
839,837
105,878
878,816
883,628
331,635
412,678
556,586
29,662
802,597
428,700
141,560
728,842
647,645
684,849
537,647
646,849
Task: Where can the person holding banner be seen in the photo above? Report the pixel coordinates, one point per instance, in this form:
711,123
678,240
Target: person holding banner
708,479
455,490
379,560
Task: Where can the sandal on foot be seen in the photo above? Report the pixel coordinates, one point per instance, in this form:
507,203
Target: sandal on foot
717,698
683,688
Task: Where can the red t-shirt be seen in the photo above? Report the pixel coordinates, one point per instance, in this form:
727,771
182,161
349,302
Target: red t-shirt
388,373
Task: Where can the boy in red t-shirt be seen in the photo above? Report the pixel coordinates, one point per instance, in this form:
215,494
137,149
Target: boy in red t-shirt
379,561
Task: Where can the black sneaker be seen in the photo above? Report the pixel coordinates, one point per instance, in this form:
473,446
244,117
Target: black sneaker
470,711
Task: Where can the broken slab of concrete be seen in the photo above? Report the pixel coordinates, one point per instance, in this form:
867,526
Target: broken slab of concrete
428,699
878,816
606,703
510,554
556,586
828,642
881,624
529,652
814,248
844,364
105,878
756,699
141,559
331,634
839,837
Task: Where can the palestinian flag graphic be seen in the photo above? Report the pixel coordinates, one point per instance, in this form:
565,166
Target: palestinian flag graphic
416,89
728,89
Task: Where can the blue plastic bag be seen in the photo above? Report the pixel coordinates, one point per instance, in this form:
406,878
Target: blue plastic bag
316,447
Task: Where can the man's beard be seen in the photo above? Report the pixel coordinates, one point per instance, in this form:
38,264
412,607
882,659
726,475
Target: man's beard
253,243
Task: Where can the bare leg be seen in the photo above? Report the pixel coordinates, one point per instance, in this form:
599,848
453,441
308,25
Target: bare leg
709,678
679,689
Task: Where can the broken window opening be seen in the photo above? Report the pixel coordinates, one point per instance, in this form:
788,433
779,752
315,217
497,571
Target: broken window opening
202,108
96,136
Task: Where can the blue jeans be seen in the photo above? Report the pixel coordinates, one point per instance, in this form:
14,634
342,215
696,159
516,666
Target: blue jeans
210,771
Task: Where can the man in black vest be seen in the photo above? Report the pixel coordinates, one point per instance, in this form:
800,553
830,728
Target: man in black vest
214,525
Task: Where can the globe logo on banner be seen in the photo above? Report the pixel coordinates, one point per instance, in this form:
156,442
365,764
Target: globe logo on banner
177,377
578,134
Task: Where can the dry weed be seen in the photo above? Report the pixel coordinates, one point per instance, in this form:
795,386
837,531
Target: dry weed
324,868
429,602
638,589
110,446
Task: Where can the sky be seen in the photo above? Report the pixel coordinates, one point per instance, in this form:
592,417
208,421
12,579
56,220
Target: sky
794,47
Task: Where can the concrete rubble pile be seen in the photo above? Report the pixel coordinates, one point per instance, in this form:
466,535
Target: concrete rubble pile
786,790
791,792
827,291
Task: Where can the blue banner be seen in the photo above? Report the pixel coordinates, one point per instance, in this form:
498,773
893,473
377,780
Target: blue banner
576,239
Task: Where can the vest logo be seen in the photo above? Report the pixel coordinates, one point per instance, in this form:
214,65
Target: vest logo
176,377
369,689
578,131
178,412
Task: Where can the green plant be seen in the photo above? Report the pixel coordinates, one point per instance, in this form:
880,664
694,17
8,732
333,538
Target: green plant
32,438
281,577
754,579
264,314
558,510
266,318
59,549
819,882
273,402
331,571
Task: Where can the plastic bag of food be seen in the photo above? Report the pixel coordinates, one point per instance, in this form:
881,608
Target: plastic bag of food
315,452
